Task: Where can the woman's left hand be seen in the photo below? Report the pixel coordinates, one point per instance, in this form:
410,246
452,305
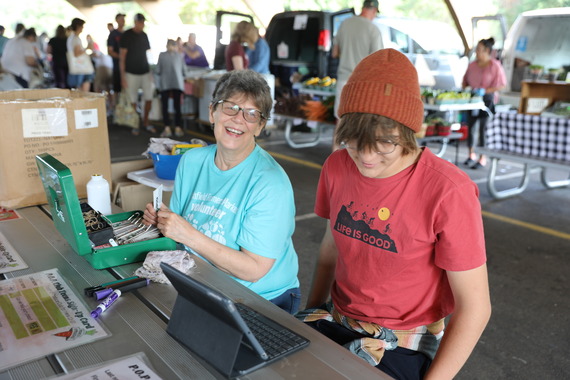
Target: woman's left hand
174,226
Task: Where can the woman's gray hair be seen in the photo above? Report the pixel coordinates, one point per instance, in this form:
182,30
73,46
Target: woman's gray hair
244,83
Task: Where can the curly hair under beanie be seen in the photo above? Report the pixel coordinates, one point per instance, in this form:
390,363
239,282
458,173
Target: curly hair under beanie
385,83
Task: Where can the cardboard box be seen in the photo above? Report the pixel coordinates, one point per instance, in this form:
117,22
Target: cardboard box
130,196
70,125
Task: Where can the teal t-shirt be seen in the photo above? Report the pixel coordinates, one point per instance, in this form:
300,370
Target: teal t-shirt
250,206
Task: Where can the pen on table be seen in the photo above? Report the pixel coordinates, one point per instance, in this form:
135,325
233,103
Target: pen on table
100,294
107,302
90,290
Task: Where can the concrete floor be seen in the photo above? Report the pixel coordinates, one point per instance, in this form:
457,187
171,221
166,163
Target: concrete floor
528,250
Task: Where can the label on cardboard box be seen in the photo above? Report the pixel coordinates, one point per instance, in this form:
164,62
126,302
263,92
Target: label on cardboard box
86,119
44,122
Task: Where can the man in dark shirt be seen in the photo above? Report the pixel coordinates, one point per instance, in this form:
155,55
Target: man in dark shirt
135,70
113,50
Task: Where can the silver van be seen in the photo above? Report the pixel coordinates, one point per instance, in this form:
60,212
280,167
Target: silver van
434,47
540,37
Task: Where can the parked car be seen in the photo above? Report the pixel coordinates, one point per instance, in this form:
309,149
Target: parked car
225,25
302,41
434,47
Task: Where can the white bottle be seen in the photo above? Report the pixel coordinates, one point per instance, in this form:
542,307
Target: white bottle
99,194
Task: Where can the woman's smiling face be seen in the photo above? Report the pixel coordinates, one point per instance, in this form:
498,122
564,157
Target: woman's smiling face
234,133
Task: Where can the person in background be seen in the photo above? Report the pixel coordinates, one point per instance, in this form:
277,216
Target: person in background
259,56
226,196
110,27
395,257
356,38
19,30
193,53
244,33
41,43
74,44
3,40
103,63
20,56
170,70
113,47
57,48
486,74
135,69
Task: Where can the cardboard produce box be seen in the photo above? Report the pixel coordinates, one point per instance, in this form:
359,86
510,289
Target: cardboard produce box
70,125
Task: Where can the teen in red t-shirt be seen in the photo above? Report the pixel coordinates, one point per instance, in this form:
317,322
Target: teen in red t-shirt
405,245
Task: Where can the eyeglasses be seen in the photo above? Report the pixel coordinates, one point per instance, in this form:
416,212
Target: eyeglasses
250,115
383,146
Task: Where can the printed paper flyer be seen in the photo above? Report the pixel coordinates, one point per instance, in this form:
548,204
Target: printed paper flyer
40,314
127,368
9,258
6,214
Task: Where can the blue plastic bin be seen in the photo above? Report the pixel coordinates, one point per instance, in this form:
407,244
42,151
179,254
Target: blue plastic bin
165,165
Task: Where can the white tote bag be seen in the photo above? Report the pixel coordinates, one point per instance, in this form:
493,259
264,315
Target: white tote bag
79,65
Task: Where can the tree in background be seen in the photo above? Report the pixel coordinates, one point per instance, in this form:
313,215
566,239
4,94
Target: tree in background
199,12
315,5
512,8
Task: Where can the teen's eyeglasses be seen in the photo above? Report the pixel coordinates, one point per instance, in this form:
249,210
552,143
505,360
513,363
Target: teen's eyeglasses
383,146
250,115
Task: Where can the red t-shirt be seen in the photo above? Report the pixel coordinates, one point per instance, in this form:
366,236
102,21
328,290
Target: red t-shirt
397,236
233,49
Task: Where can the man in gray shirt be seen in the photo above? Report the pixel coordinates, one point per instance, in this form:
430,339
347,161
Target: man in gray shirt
357,37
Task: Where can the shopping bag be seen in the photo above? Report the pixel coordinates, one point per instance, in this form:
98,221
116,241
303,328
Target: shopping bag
125,113
155,109
80,65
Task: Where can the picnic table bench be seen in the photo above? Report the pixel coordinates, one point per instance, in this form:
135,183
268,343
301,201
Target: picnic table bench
531,140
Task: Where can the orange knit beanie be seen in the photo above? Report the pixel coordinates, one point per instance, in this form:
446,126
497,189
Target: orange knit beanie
384,83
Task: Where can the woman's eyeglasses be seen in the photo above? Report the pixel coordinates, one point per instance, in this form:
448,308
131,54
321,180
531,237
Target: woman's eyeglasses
382,146
250,115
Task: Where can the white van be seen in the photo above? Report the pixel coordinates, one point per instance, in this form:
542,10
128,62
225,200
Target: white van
434,48
540,37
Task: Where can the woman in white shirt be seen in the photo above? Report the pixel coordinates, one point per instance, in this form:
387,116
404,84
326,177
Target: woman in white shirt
75,46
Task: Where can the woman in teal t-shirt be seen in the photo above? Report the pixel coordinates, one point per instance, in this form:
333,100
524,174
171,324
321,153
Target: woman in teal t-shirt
232,203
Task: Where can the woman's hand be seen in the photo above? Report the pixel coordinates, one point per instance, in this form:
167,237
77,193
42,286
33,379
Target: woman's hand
174,226
170,224
150,218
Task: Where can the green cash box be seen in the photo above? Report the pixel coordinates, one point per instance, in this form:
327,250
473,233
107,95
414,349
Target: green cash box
67,216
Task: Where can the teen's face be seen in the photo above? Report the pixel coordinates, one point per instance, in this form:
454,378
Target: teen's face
234,133
375,163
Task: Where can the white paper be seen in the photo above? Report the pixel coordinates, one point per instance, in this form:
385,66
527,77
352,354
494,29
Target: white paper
300,22
132,367
44,122
157,197
282,50
86,119
536,105
41,314
9,258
